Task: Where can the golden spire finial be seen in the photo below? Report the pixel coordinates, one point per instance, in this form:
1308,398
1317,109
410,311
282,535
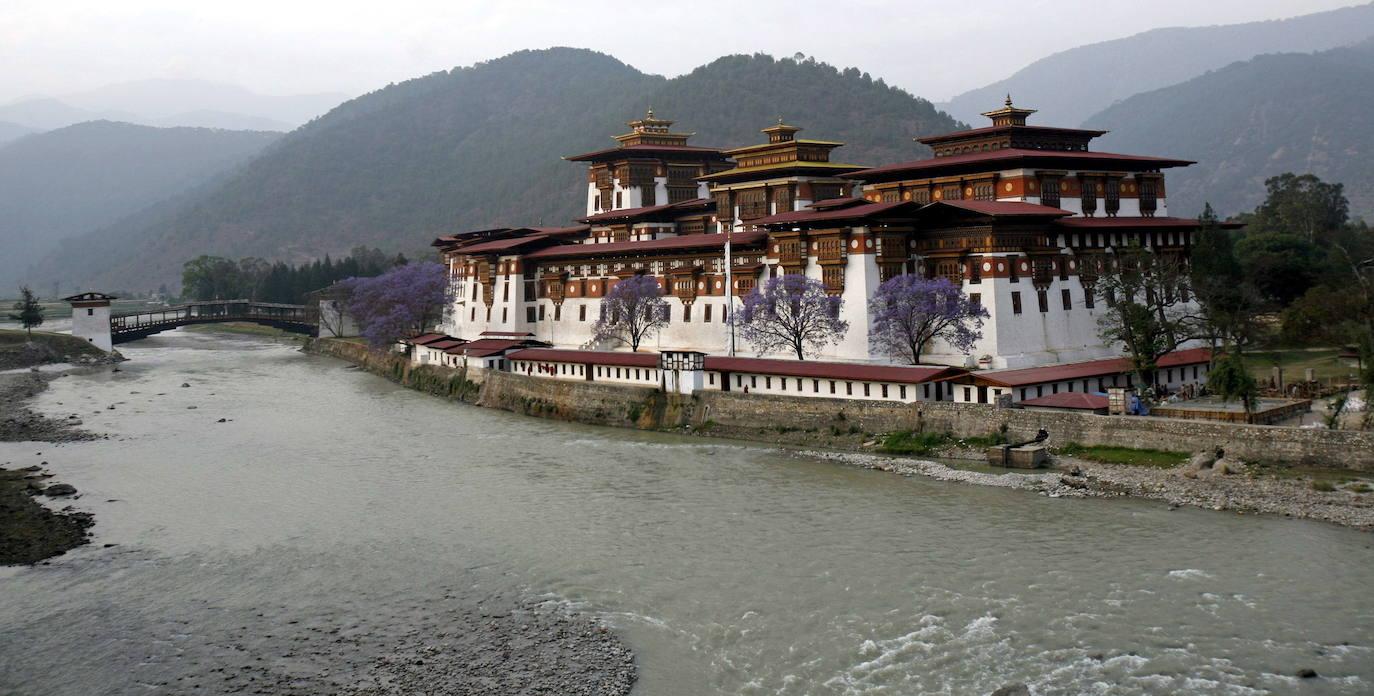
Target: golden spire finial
779,120
651,112
1008,102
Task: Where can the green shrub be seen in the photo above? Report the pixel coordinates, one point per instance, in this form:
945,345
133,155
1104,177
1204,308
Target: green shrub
1359,487
1323,485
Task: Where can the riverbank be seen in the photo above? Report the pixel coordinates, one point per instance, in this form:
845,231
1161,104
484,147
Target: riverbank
1288,492
30,531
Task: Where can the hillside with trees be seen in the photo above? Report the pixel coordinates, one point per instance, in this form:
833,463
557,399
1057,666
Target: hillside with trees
478,147
67,182
1253,120
1071,85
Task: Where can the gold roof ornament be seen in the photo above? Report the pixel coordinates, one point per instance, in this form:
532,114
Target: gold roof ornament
1009,115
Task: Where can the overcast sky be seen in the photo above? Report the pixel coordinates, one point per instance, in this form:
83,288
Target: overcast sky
932,48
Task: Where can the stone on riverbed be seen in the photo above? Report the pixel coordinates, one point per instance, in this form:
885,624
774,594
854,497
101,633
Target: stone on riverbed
59,489
1017,689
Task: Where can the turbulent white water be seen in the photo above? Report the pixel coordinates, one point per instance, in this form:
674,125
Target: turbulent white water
332,500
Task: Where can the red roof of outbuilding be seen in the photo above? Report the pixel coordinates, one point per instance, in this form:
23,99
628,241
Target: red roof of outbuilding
913,374
588,357
1082,370
687,241
1013,154
1076,400
484,347
445,344
508,334
422,339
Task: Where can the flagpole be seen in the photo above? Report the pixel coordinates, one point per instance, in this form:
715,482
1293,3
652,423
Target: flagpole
729,288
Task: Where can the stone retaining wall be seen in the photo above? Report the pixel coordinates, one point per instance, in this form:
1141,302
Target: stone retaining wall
737,413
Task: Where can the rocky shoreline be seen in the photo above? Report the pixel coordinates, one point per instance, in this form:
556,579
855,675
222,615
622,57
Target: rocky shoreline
1080,478
31,532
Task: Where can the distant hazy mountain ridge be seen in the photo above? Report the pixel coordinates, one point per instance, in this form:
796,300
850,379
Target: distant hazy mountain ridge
68,181
1255,119
171,103
1069,86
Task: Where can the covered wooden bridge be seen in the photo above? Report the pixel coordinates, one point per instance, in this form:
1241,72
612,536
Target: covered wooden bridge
131,326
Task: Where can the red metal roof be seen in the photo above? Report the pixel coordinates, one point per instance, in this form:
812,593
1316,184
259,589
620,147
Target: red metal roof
689,241
422,339
1012,154
837,203
445,344
587,357
914,374
1002,208
508,334
959,135
644,150
625,213
1076,400
1117,223
1083,370
484,347
853,212
502,244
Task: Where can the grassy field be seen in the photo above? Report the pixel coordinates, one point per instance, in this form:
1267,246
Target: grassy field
1158,459
1323,361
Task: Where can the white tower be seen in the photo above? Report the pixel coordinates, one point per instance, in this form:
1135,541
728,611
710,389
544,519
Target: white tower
91,318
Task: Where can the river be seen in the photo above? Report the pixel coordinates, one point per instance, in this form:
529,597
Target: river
331,499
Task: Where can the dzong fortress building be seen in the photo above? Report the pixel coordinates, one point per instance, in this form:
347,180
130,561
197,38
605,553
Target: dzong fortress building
1024,218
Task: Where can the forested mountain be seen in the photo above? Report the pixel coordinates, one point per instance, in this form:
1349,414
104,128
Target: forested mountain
69,181
1069,86
1256,119
481,146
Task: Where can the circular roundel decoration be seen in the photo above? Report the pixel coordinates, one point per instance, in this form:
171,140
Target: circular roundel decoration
868,243
1030,185
815,245
701,286
1054,265
906,196
854,243
1072,264
719,285
1001,267
1024,267
912,244
1099,188
987,266
968,191
1006,186
938,194
593,287
775,248
963,268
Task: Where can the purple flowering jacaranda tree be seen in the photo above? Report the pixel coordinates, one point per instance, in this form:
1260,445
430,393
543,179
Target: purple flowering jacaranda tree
909,311
791,313
632,311
401,302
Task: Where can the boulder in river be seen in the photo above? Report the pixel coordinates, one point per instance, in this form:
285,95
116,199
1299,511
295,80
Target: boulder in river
59,489
1307,673
1017,689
